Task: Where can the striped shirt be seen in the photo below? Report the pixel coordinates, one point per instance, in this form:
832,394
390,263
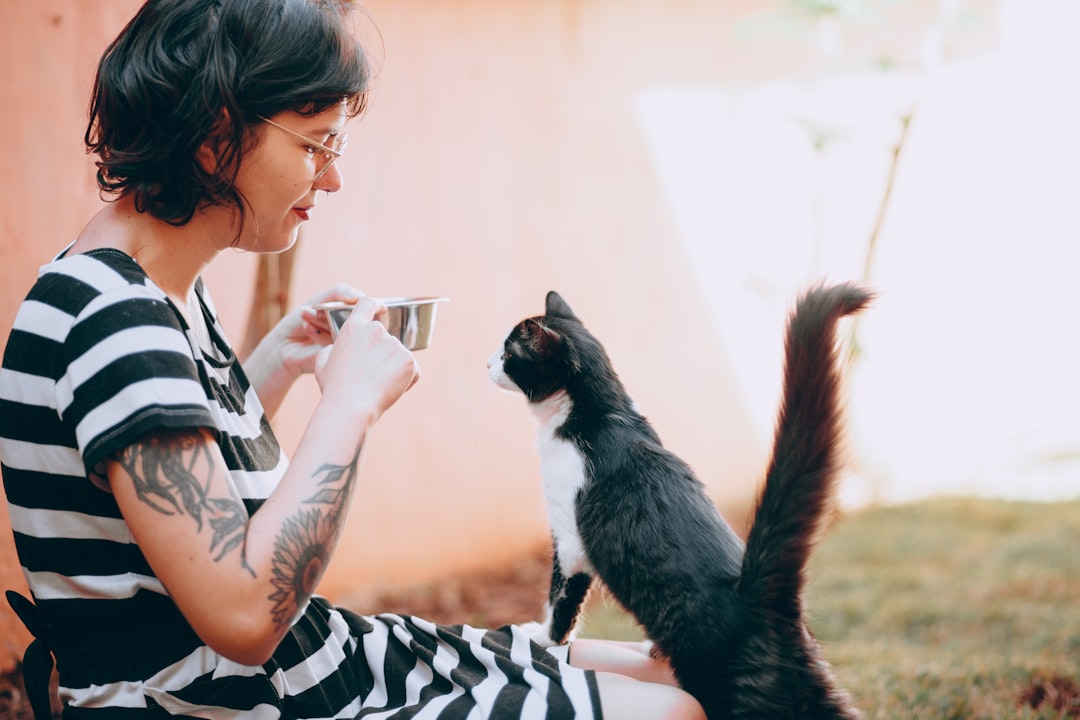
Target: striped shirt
98,356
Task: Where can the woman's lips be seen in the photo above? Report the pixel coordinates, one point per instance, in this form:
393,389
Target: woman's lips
302,212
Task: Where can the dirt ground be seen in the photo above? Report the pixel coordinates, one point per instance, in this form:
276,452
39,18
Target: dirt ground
485,599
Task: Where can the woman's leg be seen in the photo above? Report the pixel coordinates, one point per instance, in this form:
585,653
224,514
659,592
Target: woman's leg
632,683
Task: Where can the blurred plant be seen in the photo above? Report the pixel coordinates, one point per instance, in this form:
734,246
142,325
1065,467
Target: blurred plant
933,47
918,60
834,7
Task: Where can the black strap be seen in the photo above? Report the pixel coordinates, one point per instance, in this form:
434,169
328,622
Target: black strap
38,658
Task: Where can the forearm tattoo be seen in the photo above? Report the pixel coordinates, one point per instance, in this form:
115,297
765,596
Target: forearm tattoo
302,550
172,475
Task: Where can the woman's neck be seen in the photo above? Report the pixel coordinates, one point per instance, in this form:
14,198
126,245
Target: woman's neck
173,257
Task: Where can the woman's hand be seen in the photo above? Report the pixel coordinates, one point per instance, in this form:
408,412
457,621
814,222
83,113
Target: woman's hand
366,368
291,347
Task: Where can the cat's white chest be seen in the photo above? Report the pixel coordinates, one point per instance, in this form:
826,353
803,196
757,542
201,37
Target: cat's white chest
563,471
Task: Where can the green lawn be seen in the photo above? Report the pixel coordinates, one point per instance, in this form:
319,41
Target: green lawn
944,609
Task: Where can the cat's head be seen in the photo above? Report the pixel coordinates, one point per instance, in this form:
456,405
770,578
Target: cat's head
543,354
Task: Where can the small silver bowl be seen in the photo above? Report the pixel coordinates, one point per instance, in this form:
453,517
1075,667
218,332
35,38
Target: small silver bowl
410,319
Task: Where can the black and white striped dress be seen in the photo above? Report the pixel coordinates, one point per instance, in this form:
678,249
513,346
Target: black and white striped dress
97,357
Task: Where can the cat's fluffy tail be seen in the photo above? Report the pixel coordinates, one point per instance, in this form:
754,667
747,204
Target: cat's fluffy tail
800,482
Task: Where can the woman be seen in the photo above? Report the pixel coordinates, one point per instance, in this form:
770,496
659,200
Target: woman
171,548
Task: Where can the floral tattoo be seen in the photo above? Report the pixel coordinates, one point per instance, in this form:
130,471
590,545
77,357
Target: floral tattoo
166,474
302,551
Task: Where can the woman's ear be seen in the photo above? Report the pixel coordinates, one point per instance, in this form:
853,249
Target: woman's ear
210,152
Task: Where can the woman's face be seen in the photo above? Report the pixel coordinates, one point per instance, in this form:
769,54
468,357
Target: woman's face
279,177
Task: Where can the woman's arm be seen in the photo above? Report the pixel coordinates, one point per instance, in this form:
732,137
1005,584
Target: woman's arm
240,580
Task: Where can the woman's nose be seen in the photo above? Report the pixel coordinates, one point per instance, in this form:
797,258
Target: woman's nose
332,180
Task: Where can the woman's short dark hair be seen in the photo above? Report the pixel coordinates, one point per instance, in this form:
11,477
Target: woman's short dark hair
184,72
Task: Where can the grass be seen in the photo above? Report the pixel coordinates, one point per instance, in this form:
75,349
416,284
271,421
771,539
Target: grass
944,609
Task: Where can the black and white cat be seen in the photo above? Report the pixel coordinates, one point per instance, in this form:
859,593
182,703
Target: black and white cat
626,511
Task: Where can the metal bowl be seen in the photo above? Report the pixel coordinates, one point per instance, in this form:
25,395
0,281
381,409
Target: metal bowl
410,319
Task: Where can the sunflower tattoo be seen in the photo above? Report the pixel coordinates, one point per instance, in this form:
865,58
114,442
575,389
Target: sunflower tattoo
302,550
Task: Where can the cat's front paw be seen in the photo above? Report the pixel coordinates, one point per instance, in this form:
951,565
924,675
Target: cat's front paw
538,633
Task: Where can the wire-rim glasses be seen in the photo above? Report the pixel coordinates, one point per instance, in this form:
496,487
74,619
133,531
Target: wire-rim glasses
329,154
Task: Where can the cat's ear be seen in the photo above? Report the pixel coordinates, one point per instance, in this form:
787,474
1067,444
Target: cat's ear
557,307
542,339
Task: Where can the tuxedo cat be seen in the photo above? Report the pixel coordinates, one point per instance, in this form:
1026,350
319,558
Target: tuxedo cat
624,510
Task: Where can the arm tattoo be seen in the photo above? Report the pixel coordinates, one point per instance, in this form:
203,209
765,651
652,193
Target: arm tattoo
302,550
172,475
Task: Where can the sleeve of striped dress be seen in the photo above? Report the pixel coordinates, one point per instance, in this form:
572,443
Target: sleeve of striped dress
130,369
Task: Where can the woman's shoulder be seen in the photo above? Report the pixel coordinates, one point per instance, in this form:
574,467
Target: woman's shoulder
101,269
71,283
102,292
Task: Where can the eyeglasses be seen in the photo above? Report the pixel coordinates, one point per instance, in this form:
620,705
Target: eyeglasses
327,153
